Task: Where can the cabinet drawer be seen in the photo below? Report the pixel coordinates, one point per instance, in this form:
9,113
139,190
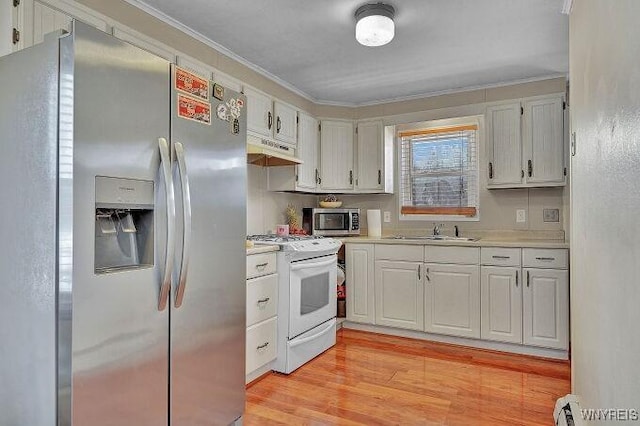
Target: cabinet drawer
399,252
500,256
262,298
261,344
457,255
545,258
261,264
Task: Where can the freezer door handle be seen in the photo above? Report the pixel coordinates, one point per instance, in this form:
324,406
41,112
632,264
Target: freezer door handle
186,237
165,163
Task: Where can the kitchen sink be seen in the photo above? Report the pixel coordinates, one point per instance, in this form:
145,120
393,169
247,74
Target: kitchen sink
430,238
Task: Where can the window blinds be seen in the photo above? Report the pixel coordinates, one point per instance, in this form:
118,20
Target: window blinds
439,171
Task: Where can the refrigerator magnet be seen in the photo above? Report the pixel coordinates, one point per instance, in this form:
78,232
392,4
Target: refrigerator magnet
191,84
193,109
218,91
222,112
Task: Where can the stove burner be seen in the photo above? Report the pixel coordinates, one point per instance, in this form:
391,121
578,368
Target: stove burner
273,238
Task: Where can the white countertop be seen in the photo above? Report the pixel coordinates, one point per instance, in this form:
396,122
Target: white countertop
482,242
261,248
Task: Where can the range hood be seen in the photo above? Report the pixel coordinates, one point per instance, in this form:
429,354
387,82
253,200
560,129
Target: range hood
268,153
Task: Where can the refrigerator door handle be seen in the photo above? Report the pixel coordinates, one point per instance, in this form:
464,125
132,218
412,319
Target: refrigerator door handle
186,204
165,162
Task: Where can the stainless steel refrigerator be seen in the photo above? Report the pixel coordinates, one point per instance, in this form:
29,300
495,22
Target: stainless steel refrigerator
122,258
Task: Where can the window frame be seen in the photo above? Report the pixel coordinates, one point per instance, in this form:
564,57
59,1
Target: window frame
477,120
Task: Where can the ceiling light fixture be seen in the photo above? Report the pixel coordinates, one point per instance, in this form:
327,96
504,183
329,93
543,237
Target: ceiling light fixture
374,24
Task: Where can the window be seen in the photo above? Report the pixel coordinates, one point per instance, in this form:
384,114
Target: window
439,171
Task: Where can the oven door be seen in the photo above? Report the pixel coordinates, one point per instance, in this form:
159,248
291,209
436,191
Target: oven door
313,293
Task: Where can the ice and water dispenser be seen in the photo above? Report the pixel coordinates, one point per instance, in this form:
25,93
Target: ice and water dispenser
123,224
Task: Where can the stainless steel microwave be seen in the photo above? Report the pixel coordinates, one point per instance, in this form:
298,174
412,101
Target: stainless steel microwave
331,222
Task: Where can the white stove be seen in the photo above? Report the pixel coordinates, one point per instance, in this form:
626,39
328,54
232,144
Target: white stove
300,246
307,279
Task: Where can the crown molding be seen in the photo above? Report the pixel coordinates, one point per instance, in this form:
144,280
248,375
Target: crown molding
216,46
424,95
322,102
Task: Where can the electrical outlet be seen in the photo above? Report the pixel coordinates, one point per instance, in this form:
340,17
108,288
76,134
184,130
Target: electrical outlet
521,215
387,217
551,215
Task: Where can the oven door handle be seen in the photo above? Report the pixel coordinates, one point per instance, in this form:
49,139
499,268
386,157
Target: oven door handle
315,336
305,265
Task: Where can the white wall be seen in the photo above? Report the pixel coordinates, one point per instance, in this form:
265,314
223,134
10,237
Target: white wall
6,23
267,209
605,236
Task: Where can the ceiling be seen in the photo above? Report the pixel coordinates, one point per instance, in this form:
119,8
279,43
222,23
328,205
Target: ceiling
440,45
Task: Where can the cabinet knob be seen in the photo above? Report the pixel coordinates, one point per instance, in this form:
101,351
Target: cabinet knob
269,120
490,170
530,168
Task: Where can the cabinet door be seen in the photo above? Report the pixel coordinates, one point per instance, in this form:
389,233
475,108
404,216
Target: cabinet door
38,18
307,150
285,123
227,81
259,114
399,294
546,308
504,146
360,283
370,156
452,299
543,132
144,42
193,65
336,155
501,304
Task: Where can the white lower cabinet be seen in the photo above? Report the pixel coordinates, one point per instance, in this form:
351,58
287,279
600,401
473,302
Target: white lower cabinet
399,294
360,283
501,304
261,344
452,299
262,309
546,308
509,295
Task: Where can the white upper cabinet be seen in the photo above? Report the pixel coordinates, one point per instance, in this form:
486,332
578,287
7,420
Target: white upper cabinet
227,81
543,133
504,146
194,66
525,143
370,156
259,112
286,123
270,119
308,147
36,19
336,155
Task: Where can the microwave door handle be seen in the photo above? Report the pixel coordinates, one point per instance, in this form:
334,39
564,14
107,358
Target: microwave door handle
165,163
186,205
298,266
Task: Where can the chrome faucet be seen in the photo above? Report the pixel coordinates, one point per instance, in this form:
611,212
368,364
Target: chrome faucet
437,228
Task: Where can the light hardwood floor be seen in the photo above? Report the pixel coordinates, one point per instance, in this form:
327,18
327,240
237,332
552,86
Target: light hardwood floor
371,379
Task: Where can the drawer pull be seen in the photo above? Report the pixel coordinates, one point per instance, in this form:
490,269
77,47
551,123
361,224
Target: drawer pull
261,266
501,257
265,300
262,346
546,259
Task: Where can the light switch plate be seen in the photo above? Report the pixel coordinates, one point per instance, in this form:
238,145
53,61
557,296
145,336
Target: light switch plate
521,215
551,215
387,217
